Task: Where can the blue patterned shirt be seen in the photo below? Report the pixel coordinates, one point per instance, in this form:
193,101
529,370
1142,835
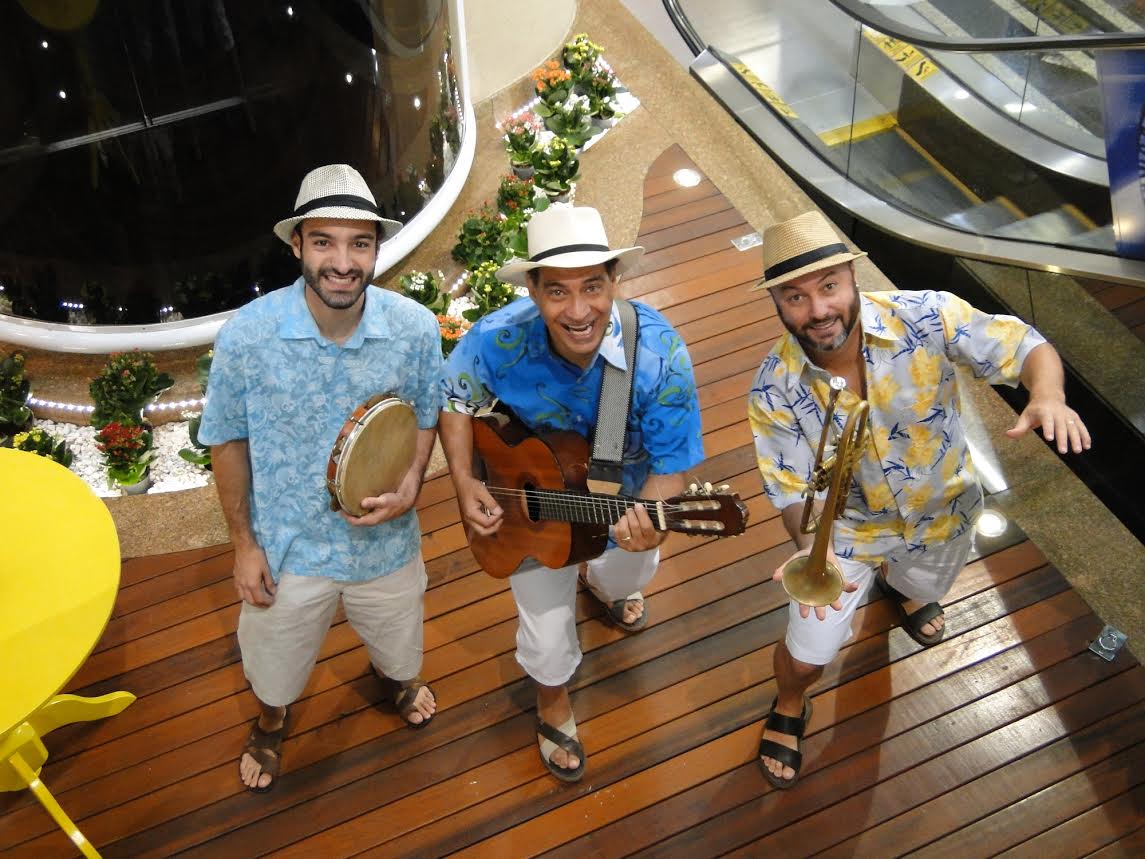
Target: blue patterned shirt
915,482
506,356
278,383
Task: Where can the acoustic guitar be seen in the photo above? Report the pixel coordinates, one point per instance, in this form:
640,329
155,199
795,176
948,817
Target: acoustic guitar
540,481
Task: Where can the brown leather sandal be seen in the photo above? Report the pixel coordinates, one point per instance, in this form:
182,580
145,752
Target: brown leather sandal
266,749
402,694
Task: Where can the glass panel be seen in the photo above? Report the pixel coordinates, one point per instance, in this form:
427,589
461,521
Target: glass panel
148,191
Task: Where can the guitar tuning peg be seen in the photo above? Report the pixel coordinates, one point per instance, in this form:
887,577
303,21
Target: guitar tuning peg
693,489
726,488
708,488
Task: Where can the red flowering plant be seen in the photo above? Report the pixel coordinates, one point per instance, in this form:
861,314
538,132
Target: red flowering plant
552,83
127,451
515,198
125,385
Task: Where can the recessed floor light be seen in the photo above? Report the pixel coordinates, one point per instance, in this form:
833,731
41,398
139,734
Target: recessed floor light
687,178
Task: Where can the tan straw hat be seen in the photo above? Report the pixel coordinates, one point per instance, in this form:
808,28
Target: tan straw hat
799,246
567,237
335,191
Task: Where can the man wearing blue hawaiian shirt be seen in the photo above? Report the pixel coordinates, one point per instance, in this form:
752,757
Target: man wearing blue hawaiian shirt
915,496
544,358
288,370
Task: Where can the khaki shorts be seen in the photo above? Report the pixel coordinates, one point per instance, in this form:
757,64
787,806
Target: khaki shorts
280,643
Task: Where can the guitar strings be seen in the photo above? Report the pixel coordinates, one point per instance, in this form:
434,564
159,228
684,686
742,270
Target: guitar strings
575,500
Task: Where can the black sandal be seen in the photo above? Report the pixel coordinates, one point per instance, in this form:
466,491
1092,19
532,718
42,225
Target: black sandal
777,751
402,695
614,611
913,622
558,739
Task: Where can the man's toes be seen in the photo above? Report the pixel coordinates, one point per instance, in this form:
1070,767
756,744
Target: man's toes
633,610
263,780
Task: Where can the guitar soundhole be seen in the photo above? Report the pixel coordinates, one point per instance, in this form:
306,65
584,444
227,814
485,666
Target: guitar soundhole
532,503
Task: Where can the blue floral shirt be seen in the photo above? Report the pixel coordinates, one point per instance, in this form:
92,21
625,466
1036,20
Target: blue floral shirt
278,383
506,356
915,482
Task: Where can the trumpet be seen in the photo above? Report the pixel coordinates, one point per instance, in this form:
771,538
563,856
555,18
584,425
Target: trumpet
811,579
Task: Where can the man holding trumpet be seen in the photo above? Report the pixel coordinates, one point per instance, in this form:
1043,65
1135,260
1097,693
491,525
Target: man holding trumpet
909,512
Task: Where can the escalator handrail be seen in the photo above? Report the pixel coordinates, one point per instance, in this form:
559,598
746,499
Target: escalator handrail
874,18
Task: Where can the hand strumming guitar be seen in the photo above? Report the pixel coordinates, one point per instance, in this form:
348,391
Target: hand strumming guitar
478,508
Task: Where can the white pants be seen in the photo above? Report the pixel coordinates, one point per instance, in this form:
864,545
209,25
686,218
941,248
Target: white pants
280,643
926,576
547,644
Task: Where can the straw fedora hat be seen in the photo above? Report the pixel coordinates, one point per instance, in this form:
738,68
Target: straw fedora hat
567,237
335,191
799,246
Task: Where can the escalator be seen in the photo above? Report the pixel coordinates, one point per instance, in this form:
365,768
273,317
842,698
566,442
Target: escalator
960,143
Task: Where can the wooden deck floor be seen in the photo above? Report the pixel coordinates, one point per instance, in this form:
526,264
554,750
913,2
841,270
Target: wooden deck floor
1008,736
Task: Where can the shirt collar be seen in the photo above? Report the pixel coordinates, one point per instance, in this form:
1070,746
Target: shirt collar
298,323
873,318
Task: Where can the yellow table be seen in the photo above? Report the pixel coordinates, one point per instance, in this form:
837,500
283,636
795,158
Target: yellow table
59,575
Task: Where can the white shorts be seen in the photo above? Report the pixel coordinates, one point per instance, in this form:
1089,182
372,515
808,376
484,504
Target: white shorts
926,576
280,643
547,644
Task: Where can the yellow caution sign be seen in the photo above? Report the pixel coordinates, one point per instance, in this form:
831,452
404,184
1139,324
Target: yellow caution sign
1059,16
907,57
765,92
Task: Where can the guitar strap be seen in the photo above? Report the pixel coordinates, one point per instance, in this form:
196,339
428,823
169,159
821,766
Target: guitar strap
606,468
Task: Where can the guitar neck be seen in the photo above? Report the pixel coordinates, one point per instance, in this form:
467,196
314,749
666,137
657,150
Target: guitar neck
584,508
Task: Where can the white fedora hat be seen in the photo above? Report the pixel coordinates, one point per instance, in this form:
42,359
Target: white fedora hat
804,244
567,237
335,191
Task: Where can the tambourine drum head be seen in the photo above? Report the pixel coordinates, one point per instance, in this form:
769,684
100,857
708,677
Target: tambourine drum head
378,455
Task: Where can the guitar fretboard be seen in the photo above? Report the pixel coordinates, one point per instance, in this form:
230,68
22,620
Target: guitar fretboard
579,508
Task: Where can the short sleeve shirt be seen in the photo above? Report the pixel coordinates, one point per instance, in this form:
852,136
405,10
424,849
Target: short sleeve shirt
506,356
915,482
276,382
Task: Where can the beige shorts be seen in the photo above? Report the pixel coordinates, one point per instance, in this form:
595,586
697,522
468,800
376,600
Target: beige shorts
280,643
926,576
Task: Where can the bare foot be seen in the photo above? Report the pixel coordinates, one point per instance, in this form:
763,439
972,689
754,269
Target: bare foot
425,705
633,610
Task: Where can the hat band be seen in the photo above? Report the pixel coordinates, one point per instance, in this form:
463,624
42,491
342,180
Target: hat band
348,201
567,249
800,260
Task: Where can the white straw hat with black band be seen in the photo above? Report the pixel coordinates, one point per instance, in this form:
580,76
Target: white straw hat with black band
800,246
567,237
335,191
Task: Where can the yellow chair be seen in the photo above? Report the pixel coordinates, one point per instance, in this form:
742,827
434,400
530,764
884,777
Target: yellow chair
59,576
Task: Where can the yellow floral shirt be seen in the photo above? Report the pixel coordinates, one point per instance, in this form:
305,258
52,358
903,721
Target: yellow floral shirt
915,483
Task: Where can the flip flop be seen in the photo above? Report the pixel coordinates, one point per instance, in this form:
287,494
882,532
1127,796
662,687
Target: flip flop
563,737
401,694
912,622
777,751
266,749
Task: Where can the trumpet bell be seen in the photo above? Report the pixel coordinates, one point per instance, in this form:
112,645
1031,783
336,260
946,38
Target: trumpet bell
809,586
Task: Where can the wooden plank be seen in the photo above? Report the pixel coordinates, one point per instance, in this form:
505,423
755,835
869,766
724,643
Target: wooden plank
135,570
1094,829
669,237
652,224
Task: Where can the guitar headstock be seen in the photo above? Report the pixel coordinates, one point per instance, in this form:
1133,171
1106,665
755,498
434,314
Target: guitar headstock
706,510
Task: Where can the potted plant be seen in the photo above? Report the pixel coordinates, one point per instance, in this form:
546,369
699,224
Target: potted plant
425,288
515,198
15,416
452,330
557,167
198,454
487,292
481,239
552,85
42,443
124,387
600,89
520,138
571,121
128,454
579,57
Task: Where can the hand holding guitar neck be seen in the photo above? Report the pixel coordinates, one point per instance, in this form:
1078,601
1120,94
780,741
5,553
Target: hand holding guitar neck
635,531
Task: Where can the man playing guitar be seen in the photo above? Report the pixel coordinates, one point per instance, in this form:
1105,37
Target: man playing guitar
544,358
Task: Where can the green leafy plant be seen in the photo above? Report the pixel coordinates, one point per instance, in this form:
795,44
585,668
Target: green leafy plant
557,167
481,239
515,198
520,138
127,451
425,288
452,330
42,443
487,292
571,121
579,56
198,454
600,89
14,389
125,385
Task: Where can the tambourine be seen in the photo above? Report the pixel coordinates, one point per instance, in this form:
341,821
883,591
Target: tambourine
374,450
